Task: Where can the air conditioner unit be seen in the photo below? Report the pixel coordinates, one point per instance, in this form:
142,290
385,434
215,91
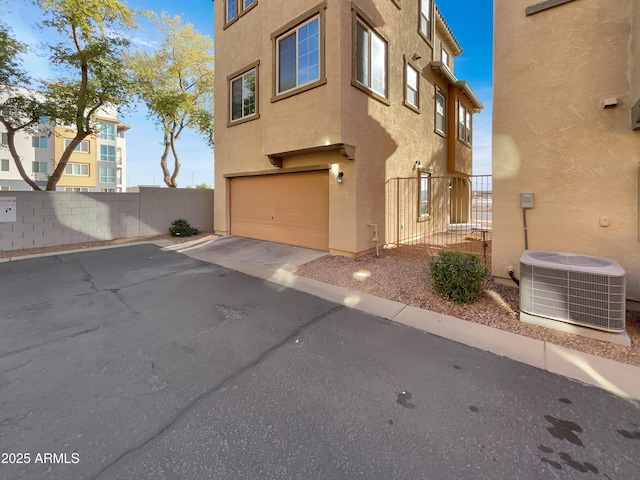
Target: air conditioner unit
577,289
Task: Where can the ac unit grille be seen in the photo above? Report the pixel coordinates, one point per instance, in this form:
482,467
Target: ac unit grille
561,293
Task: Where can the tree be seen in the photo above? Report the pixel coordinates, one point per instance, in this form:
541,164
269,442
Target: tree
90,55
203,186
176,84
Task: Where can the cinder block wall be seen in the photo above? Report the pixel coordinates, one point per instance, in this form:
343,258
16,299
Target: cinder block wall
59,218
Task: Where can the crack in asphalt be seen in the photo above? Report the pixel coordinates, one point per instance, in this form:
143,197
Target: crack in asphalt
216,387
58,339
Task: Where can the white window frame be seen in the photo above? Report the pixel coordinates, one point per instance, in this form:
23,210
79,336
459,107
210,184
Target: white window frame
440,94
241,7
240,77
409,89
425,23
424,185
444,57
76,189
5,188
295,31
81,168
101,177
82,147
373,39
104,133
105,157
465,123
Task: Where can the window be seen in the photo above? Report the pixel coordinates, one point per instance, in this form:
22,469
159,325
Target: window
464,124
444,57
76,189
119,176
42,120
77,169
107,153
425,18
441,112
4,188
424,203
107,190
39,142
107,131
371,59
83,146
3,139
298,56
243,91
119,156
412,83
4,165
107,175
39,167
237,8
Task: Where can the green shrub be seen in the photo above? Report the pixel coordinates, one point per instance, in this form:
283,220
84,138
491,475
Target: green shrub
457,276
181,228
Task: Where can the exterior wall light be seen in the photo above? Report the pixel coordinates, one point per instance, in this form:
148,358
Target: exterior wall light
340,175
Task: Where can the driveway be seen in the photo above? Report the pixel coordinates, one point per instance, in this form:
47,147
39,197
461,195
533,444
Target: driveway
139,363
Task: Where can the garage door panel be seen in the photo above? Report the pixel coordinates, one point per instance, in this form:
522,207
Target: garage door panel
289,208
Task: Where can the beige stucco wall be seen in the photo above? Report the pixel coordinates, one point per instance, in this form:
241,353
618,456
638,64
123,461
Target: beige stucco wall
553,137
388,138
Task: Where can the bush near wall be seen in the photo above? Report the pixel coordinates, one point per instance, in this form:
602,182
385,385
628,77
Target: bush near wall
457,276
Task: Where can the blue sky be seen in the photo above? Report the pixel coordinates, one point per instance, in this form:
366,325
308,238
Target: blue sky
470,20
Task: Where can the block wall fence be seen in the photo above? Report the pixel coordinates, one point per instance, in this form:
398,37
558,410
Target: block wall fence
59,218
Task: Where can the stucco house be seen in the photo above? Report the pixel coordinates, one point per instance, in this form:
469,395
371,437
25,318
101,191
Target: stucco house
566,127
320,103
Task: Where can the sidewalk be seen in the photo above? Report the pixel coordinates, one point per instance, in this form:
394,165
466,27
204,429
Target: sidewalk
618,378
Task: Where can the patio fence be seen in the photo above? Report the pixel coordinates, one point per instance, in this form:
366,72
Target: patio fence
446,212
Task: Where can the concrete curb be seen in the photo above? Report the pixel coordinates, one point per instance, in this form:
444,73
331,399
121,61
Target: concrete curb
79,250
618,378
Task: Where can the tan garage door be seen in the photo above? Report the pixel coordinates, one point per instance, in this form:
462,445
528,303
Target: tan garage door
288,208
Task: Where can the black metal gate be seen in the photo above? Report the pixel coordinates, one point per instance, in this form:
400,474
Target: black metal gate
447,212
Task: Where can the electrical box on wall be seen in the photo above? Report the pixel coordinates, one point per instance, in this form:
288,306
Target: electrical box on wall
526,200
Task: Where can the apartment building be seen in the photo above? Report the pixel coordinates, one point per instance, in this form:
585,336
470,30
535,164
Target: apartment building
320,103
98,164
566,127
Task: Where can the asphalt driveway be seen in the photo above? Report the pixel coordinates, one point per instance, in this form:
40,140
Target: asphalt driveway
138,363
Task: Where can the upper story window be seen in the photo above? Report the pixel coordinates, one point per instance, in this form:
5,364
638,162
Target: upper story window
39,142
236,8
107,131
39,167
371,59
3,138
298,55
444,58
426,10
4,165
83,146
243,93
77,169
107,153
464,124
412,86
441,113
107,175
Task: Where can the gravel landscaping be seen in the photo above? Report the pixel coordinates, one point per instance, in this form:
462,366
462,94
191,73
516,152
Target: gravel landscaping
400,274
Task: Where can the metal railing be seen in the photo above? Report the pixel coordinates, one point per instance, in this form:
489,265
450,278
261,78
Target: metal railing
446,212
